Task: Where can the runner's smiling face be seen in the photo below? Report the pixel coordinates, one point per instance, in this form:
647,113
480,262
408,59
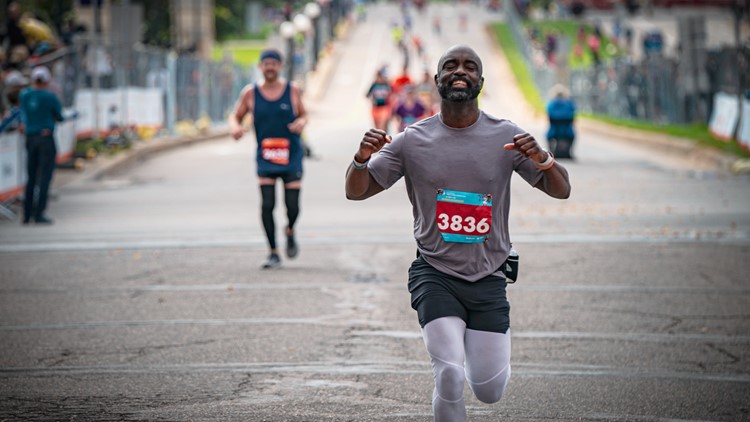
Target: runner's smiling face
459,75
270,69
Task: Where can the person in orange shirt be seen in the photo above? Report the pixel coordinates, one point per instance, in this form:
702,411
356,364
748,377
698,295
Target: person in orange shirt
401,81
380,96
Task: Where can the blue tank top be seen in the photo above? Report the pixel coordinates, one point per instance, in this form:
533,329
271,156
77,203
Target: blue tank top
279,150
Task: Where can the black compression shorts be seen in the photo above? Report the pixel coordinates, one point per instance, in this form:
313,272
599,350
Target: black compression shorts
482,304
286,177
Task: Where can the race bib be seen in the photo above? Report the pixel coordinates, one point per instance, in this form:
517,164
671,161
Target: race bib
463,217
275,150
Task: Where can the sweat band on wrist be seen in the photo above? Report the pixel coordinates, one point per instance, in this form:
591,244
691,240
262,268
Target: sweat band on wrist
359,166
548,163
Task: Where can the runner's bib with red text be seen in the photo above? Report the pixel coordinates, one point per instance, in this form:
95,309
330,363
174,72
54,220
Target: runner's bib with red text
275,150
463,217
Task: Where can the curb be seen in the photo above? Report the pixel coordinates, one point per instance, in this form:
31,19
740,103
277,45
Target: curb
103,165
662,143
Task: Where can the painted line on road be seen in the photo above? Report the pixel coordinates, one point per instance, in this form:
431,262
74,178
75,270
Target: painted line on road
326,320
165,288
632,337
166,323
224,287
589,288
87,245
374,368
637,418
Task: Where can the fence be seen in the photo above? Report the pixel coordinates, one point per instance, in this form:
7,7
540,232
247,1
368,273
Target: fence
115,87
653,89
118,85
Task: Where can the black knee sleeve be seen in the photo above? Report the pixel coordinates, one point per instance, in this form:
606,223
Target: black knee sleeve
291,198
267,204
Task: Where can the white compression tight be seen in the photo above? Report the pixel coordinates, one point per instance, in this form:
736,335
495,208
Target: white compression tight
487,370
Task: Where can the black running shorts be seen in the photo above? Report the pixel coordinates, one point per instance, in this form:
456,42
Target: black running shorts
482,304
286,177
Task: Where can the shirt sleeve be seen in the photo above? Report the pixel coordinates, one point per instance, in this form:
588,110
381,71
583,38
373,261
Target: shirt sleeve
387,166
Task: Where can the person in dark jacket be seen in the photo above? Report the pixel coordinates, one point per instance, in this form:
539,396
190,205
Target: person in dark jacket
13,31
561,111
41,111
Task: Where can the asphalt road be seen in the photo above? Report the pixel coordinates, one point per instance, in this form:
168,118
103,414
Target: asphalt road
145,302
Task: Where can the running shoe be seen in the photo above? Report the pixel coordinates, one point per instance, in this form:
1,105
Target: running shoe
273,261
43,219
291,246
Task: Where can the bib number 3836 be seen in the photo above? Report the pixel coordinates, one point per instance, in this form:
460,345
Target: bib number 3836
463,217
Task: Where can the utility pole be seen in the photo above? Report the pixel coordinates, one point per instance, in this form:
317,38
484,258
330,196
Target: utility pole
95,75
739,7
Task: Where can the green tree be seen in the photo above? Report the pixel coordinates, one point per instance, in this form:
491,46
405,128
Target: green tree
156,22
230,18
51,12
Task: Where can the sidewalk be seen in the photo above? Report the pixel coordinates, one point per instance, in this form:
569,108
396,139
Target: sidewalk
104,164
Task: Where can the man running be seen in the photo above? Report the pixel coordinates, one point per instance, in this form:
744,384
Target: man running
457,167
278,117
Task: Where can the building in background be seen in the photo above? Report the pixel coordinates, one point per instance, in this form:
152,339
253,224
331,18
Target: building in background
120,22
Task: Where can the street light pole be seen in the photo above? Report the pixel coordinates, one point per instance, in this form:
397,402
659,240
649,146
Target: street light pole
287,31
302,25
312,11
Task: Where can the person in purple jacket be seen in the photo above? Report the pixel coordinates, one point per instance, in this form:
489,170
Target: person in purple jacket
410,109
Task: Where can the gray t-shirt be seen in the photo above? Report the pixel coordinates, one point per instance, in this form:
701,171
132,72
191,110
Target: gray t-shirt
442,165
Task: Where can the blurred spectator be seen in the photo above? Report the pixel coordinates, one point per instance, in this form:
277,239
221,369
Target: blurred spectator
13,32
99,65
41,110
629,38
401,81
13,118
523,7
632,6
653,43
13,83
12,80
428,94
15,79
534,33
577,8
561,112
35,31
550,48
617,29
409,110
581,34
418,45
595,42
436,25
18,56
379,94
